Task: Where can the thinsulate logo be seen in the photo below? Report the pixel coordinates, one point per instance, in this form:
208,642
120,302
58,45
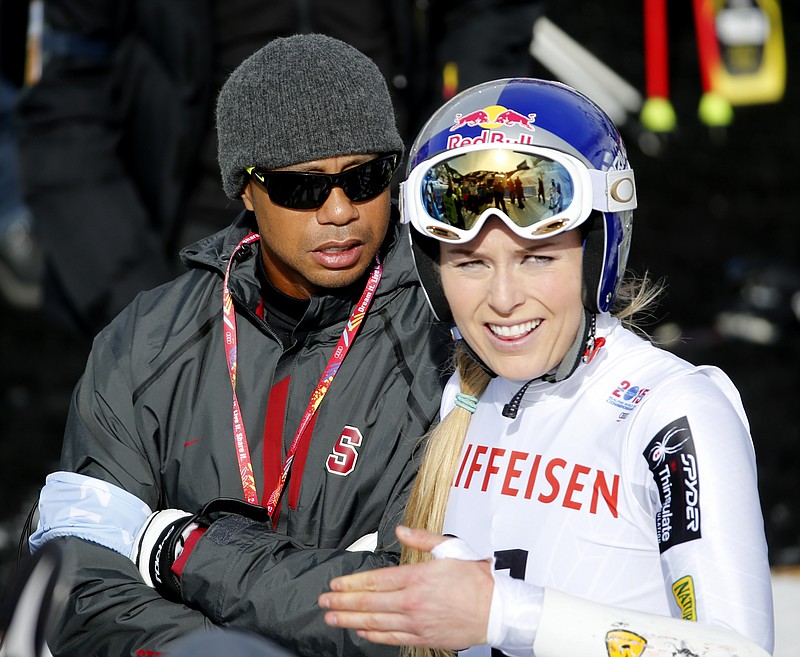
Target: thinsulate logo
672,460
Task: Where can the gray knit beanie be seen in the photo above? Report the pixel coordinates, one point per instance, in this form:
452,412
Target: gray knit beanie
301,98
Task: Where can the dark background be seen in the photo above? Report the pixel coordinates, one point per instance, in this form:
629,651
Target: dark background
717,219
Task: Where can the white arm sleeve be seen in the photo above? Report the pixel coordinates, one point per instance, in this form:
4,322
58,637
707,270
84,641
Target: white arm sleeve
526,620
514,616
711,531
515,608
72,504
571,626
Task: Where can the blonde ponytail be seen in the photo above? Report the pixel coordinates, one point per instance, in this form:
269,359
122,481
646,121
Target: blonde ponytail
428,500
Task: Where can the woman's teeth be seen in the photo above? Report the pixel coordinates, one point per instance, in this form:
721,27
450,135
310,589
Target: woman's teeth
514,331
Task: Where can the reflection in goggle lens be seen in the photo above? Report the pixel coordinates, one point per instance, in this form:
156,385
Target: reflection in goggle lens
526,187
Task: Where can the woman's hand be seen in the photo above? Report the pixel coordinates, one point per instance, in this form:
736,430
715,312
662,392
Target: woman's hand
442,603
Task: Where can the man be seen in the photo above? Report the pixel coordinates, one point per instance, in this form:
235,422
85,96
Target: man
289,373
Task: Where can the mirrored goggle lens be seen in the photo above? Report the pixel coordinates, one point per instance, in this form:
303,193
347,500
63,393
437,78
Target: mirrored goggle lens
528,188
306,191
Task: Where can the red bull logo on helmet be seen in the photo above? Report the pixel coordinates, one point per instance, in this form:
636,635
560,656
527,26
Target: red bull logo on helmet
494,117
488,137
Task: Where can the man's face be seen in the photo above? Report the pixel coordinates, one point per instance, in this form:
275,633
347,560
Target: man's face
305,251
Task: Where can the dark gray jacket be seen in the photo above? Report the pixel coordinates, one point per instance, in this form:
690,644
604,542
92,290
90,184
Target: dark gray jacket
152,414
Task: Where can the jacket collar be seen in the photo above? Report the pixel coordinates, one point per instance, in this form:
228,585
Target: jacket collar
212,253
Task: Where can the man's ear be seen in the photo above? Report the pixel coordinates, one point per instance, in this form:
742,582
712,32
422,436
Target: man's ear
247,197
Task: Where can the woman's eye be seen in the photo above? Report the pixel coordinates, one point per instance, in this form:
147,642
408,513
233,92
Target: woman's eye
469,263
536,258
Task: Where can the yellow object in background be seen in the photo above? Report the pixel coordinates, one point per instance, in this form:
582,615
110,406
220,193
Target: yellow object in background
658,115
449,80
33,47
752,62
715,110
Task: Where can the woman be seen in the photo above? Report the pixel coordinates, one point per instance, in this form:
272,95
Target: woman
603,491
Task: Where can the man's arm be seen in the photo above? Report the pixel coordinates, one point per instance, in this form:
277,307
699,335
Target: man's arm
241,573
111,611
245,566
270,585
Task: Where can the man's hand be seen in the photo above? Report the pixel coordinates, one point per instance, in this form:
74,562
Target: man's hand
156,547
440,604
161,540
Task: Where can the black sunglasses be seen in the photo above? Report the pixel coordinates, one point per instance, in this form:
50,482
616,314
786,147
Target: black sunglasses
308,191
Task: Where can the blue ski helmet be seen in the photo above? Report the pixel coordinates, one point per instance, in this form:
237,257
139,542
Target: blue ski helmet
522,131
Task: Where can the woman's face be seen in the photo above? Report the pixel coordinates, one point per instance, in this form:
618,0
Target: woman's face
517,302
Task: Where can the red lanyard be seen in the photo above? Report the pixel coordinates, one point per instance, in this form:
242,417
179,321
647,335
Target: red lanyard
342,347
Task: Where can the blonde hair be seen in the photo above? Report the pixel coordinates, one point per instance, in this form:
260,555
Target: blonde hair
635,300
428,501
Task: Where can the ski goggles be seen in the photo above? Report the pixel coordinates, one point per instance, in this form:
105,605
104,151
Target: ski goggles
298,190
537,191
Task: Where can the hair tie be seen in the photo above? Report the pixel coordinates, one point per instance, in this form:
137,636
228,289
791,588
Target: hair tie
467,402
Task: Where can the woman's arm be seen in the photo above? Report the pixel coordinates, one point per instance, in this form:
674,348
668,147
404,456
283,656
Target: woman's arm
446,604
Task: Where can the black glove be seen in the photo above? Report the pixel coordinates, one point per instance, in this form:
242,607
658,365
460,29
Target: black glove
160,540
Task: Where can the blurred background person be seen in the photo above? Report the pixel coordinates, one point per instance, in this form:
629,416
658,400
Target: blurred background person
117,148
20,261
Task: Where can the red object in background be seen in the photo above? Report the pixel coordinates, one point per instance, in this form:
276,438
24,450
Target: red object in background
656,49
707,46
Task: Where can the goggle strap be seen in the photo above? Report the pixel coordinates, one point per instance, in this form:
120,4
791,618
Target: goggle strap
613,190
404,216
425,252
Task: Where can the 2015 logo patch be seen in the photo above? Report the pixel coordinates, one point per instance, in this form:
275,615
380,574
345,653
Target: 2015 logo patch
627,395
672,459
